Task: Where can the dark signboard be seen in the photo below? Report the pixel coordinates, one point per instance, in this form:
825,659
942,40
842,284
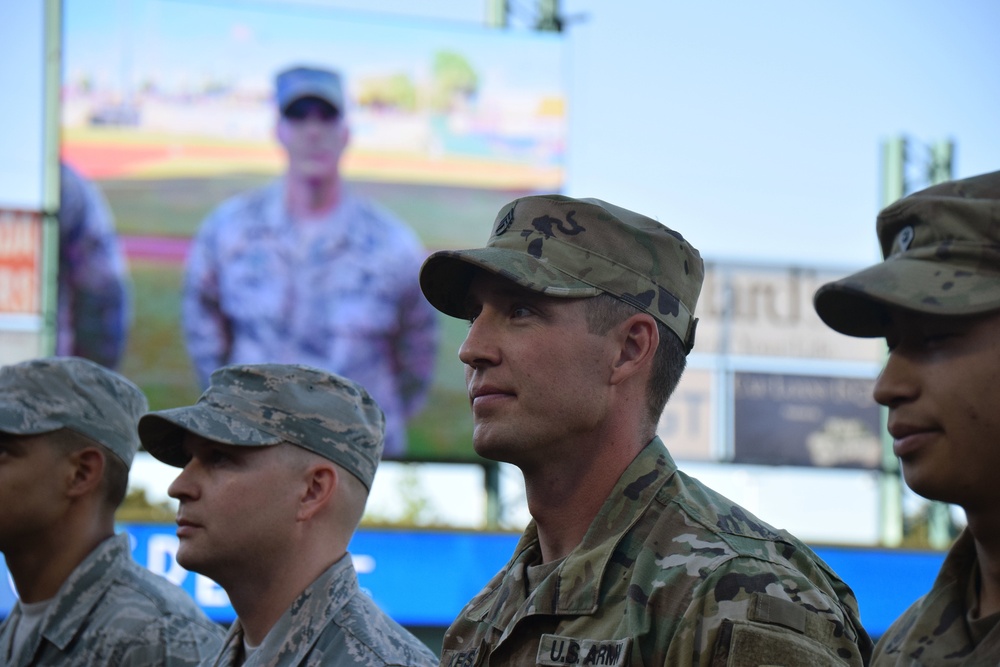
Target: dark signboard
805,420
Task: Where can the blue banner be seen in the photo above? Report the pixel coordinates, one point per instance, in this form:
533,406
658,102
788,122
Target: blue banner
424,578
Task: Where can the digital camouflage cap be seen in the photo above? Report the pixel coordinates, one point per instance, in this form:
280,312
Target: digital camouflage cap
45,395
942,257
298,82
260,405
574,248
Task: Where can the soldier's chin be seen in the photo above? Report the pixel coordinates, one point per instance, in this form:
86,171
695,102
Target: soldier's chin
187,560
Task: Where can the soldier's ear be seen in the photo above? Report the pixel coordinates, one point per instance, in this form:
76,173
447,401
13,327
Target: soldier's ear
87,471
637,339
321,480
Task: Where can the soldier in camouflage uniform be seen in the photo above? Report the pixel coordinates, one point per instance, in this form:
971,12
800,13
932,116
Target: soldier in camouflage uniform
936,300
582,314
67,439
304,271
277,464
93,298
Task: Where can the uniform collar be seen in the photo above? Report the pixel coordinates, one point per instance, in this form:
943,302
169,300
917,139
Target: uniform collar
295,633
80,593
574,588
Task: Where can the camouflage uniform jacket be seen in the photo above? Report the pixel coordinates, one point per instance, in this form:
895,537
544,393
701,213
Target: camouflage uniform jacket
112,611
93,298
332,623
938,628
340,295
669,573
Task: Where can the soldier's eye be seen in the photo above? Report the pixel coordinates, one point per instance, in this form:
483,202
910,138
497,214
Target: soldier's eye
218,456
521,311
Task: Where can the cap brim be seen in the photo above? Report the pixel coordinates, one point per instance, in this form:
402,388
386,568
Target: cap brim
446,275
162,432
858,304
305,92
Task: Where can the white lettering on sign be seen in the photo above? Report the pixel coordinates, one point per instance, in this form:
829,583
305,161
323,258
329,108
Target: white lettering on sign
686,423
207,593
161,557
161,554
363,563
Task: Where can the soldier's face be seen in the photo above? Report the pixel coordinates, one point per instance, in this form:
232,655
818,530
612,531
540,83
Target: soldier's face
537,378
941,384
314,136
33,477
237,505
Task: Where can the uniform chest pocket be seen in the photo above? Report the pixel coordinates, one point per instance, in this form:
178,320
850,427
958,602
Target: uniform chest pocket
751,644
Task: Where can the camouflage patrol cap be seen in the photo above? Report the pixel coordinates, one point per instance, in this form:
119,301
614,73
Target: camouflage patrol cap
260,405
45,395
574,248
298,82
942,257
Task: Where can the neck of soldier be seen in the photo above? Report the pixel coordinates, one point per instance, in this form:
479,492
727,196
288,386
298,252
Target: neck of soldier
311,197
262,594
985,528
40,565
565,496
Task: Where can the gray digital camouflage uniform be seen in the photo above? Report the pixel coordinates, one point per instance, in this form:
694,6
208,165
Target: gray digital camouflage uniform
669,573
938,629
260,405
111,611
340,294
335,624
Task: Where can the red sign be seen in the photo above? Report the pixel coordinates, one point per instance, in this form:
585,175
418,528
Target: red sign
20,262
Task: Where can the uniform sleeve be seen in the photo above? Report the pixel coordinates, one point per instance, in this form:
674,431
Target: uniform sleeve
752,613
94,285
207,332
416,344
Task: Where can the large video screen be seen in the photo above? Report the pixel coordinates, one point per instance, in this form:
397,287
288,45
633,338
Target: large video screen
168,108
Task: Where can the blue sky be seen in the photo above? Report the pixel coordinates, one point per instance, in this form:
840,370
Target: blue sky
754,128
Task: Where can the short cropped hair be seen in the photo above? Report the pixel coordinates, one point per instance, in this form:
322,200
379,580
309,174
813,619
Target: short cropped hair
605,311
353,492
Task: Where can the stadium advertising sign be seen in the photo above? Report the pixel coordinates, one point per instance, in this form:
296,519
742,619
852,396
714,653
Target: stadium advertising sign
766,311
22,171
805,420
20,262
686,423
